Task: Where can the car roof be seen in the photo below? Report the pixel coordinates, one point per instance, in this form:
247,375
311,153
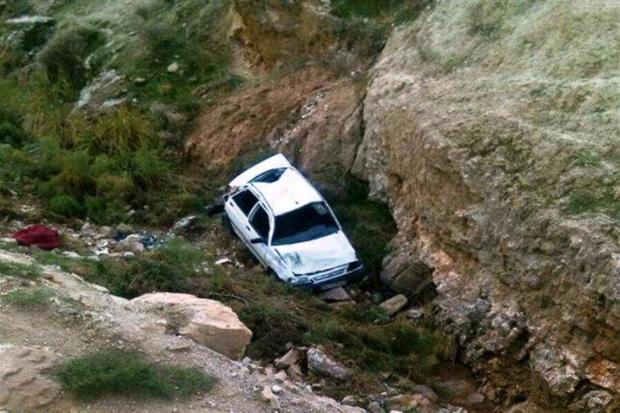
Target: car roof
291,191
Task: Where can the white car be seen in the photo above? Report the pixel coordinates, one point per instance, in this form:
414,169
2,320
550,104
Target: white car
289,227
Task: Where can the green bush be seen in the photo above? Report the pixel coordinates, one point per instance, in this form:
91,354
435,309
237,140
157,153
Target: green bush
168,268
63,56
115,372
398,346
28,298
11,132
374,8
67,206
15,269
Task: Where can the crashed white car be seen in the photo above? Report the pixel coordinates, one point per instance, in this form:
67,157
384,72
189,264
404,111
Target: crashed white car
289,227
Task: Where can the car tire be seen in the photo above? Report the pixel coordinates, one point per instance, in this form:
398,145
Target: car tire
215,208
226,222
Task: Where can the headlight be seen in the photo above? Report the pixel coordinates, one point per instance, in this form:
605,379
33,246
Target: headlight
299,280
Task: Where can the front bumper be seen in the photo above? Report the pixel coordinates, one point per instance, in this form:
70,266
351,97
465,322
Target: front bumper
332,282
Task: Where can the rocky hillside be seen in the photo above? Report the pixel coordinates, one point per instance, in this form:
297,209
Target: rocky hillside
490,129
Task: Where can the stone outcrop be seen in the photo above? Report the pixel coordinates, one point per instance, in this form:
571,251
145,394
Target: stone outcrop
205,321
505,186
24,383
321,363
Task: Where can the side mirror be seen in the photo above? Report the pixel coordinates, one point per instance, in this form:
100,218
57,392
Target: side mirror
258,241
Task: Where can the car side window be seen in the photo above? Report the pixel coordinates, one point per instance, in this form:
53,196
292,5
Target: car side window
245,200
260,222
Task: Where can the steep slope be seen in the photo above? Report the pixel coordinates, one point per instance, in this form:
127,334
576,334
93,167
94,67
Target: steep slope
80,318
492,129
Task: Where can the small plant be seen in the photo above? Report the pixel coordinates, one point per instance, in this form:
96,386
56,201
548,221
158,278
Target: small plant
116,372
63,56
17,269
28,298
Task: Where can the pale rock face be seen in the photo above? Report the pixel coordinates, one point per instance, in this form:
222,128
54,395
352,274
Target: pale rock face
394,304
486,183
207,322
23,380
320,362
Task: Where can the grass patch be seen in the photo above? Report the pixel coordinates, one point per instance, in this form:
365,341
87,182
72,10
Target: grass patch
17,269
63,56
583,202
403,9
28,298
399,346
115,372
169,268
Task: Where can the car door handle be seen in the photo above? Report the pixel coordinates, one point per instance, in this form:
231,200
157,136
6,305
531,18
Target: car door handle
247,227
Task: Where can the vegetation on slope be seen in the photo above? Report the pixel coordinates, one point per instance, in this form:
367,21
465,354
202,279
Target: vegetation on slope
117,372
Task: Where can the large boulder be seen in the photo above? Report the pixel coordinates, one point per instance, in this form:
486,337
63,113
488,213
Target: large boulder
207,322
23,382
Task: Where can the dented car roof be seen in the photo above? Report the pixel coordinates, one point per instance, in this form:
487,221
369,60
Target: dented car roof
289,192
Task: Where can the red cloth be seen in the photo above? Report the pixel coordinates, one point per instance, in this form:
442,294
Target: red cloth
38,236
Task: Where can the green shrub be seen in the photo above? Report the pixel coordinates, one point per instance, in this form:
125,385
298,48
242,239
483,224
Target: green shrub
398,346
28,298
15,269
347,9
168,268
119,133
11,131
63,56
116,372
67,206
150,169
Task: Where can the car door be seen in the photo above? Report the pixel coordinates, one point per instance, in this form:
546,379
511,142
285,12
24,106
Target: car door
260,224
239,207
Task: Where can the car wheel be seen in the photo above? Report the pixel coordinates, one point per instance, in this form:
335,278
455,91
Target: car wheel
215,208
226,222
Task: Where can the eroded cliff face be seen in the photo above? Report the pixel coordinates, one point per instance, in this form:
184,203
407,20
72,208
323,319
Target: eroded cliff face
491,129
499,157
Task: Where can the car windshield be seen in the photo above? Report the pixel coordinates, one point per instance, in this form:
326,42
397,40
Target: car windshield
304,224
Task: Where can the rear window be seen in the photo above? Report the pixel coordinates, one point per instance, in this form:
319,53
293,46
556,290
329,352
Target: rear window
245,200
260,222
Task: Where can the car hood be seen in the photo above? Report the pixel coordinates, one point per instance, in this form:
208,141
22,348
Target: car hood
317,255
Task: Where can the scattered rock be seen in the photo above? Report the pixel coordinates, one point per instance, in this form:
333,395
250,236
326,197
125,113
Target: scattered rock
139,81
456,388
101,94
394,304
474,398
173,68
408,402
23,384
335,294
295,372
415,314
224,261
275,389
28,20
132,243
293,356
374,407
280,376
207,322
185,223
321,363
351,400
425,391
268,396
